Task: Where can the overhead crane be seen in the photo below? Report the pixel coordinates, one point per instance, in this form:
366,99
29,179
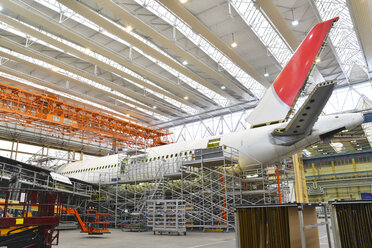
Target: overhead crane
46,112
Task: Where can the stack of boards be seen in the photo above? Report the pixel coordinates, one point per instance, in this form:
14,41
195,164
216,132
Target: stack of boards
274,225
354,223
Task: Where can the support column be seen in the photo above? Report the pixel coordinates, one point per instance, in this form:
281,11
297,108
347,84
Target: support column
355,170
11,151
16,150
334,177
314,178
300,180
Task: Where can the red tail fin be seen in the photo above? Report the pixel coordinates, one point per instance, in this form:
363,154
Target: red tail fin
294,74
280,96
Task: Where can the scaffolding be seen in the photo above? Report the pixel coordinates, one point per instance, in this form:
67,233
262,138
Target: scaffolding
209,180
46,112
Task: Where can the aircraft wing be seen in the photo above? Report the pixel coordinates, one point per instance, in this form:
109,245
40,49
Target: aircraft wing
305,118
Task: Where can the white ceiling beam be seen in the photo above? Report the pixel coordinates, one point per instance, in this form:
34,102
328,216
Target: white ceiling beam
156,36
178,9
107,25
39,35
360,10
47,23
279,22
77,82
52,61
120,109
135,95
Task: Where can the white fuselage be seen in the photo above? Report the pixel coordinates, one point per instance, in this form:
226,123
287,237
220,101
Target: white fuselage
254,146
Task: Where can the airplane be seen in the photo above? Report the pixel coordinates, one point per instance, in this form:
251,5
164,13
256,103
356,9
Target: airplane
273,135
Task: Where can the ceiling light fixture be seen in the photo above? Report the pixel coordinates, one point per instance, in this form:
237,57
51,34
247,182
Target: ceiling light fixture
266,74
233,43
154,107
294,22
1,8
317,60
185,62
186,98
223,87
129,28
183,1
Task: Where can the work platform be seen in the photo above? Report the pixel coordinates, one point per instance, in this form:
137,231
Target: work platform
28,176
212,157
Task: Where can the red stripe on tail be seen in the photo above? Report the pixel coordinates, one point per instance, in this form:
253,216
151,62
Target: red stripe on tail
294,74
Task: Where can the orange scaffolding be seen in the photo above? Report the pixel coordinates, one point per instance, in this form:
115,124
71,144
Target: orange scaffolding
47,113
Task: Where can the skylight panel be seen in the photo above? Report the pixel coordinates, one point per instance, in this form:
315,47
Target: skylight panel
111,63
343,36
256,88
263,29
75,16
84,101
72,75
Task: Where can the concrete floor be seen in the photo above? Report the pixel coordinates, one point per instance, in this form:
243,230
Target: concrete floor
117,238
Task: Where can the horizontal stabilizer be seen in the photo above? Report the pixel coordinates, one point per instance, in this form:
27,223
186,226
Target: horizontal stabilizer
282,94
305,118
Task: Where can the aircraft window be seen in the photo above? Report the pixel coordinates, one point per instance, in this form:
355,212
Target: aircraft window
131,162
150,159
224,147
185,153
146,159
167,156
162,157
176,154
159,157
190,152
171,155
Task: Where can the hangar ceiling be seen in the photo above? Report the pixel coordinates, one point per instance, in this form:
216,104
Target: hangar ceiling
160,62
